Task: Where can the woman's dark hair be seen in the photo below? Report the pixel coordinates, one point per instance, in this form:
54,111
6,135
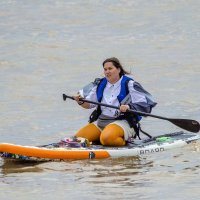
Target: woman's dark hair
117,64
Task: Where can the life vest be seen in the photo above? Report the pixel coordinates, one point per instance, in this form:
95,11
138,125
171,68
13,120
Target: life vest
123,92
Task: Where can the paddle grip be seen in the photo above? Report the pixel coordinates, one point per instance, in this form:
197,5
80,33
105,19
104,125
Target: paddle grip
66,96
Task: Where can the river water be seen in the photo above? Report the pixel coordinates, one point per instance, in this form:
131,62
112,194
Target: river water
53,47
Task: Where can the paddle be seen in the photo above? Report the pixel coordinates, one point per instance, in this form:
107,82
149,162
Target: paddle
187,124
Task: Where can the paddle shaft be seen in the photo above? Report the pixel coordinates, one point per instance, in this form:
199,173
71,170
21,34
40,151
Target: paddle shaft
115,107
187,124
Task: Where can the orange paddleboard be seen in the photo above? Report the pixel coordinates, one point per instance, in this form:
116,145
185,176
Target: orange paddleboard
136,148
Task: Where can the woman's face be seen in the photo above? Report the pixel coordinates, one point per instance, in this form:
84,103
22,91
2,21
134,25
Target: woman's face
111,72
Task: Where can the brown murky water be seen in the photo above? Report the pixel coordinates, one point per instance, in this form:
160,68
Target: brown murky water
51,47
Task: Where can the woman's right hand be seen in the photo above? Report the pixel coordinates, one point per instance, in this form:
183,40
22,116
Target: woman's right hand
78,98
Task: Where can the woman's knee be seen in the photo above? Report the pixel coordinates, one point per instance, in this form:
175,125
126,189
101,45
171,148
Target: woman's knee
112,135
90,132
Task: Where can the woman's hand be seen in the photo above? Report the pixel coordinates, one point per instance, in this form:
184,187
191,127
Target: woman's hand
124,108
78,98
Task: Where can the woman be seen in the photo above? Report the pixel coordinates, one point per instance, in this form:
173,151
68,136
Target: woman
114,127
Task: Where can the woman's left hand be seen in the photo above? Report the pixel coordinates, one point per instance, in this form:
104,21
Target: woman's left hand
124,108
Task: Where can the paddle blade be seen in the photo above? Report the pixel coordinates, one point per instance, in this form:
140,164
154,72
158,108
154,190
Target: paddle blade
187,124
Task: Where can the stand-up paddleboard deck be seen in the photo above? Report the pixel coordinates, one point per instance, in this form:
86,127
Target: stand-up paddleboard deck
56,152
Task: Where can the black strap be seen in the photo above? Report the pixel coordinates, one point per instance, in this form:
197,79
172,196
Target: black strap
95,115
145,133
137,131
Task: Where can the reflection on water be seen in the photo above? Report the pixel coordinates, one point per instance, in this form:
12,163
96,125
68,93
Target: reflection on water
100,167
11,167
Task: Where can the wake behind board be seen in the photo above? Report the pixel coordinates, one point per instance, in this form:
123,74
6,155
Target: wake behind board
58,151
